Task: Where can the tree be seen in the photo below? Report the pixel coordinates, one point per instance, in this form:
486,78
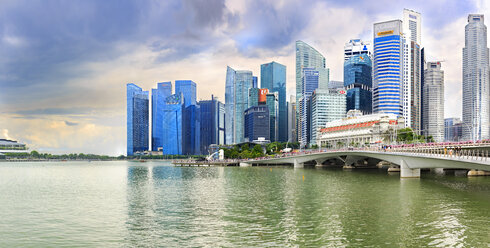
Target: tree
257,151
314,146
35,154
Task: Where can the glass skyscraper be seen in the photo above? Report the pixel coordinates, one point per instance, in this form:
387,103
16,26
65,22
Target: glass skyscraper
191,125
188,89
158,98
388,68
137,119
326,105
434,101
238,84
257,123
273,105
310,83
307,56
475,80
212,123
358,83
173,134
273,77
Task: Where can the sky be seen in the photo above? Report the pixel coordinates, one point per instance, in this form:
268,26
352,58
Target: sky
64,65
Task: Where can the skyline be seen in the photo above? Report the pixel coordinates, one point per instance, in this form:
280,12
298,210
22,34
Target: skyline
69,96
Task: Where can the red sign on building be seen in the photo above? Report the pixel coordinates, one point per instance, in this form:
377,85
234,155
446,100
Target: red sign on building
263,95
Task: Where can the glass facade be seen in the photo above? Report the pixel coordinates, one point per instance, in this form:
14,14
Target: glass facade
326,105
253,97
388,68
158,97
273,106
211,123
173,125
273,77
358,83
238,84
310,83
137,123
257,123
188,89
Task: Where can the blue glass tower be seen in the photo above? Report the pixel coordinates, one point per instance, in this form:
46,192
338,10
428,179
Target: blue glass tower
238,84
158,97
255,83
257,123
310,83
172,131
191,125
137,119
273,77
358,83
212,127
388,67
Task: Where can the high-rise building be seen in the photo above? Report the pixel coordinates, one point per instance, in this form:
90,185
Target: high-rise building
388,84
453,129
257,123
273,77
211,123
137,119
255,82
475,80
310,83
412,28
356,47
158,97
272,103
422,69
336,85
238,84
257,96
358,83
173,125
191,123
326,105
292,136
434,101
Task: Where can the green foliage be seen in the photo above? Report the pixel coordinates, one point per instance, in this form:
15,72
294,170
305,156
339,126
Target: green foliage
314,146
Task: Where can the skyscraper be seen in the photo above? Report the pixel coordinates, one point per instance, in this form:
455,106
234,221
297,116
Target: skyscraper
356,47
212,123
292,136
158,97
273,77
434,101
137,119
273,105
452,129
358,83
191,128
173,126
257,123
310,83
412,28
188,90
238,84
388,68
475,80
326,105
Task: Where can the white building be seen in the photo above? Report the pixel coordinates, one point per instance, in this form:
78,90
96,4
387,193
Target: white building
326,105
355,47
360,130
475,80
434,101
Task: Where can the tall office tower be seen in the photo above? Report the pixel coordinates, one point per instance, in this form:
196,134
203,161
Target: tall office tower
422,69
356,47
255,82
273,77
388,68
212,126
257,96
326,105
475,80
272,103
336,85
137,119
452,129
358,83
412,27
257,123
173,125
191,127
310,83
236,102
307,56
158,97
434,101
292,136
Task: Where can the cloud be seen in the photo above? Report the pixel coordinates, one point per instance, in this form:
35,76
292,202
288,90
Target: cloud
69,123
5,133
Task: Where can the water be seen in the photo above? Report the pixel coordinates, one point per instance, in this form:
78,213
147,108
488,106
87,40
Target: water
127,204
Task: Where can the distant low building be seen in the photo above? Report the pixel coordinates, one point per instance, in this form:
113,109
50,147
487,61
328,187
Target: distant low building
11,146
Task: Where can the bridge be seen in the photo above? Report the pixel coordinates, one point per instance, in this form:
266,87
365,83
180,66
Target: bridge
409,159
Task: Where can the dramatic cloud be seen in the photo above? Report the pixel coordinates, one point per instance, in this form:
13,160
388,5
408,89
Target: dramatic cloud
64,64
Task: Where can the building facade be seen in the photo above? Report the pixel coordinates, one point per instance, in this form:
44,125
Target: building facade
434,101
475,80
357,47
211,123
453,129
307,56
310,83
388,54
326,105
158,97
272,103
173,125
358,83
191,124
257,123
137,123
292,135
238,84
273,77
361,130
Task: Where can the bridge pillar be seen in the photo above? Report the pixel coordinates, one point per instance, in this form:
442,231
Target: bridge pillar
319,162
406,172
298,164
242,164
